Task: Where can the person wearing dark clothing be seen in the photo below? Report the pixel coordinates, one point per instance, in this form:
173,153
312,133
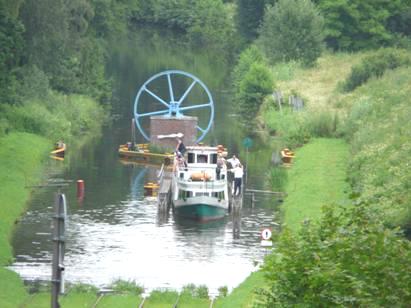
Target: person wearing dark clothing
180,147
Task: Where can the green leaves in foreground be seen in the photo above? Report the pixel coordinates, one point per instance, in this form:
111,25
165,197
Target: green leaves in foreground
348,259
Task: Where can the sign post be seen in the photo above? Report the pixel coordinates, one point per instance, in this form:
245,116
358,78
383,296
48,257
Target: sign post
266,238
247,143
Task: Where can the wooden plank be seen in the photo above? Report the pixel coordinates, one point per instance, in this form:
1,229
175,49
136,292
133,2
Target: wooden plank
266,191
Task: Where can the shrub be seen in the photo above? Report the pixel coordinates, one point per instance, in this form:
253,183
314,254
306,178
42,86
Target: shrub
348,259
222,291
123,286
248,57
256,84
277,178
375,66
292,30
83,288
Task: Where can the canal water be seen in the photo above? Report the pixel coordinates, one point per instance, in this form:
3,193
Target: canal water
115,232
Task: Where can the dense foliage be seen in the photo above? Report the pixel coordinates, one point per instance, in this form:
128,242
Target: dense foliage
11,42
203,23
292,30
348,259
252,82
379,127
364,24
375,66
249,17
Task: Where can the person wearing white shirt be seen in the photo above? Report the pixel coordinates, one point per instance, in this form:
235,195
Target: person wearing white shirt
238,178
234,161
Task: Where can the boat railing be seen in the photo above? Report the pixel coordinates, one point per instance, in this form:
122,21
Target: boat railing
200,174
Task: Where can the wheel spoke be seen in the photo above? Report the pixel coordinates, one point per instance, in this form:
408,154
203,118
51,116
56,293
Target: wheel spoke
200,129
151,113
186,92
170,87
195,107
156,97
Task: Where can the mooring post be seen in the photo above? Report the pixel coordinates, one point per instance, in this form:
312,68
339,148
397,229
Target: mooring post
57,283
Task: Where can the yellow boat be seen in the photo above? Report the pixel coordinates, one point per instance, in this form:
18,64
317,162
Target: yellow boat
141,152
59,151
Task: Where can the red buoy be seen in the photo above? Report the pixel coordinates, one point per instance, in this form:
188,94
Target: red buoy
80,189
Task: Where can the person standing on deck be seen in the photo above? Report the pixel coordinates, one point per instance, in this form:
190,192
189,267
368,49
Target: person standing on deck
180,148
220,165
234,161
238,178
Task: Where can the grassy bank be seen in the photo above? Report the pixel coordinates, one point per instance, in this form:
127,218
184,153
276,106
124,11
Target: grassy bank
317,177
240,297
21,157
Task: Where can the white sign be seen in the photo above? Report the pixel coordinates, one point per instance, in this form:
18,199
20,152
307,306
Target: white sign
266,234
265,243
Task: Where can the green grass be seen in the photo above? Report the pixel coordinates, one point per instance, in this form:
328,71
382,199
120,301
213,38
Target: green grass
21,157
72,300
12,291
317,177
188,301
124,301
161,299
243,295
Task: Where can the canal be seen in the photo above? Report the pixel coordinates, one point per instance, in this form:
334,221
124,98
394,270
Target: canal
115,232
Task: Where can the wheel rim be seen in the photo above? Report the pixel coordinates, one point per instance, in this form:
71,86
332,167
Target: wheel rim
173,107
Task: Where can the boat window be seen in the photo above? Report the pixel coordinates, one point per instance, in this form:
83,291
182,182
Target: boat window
181,194
181,175
190,158
202,194
202,158
189,194
213,158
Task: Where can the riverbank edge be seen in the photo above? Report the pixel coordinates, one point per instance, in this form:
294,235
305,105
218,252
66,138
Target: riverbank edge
329,159
22,156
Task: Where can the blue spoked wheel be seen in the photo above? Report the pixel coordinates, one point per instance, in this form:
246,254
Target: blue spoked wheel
173,106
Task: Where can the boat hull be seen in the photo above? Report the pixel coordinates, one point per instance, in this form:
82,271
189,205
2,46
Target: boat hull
201,208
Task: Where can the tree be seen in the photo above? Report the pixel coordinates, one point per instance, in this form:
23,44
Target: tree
211,26
249,16
11,50
47,38
349,259
255,85
292,30
363,24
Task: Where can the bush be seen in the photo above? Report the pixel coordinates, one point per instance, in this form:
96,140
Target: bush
56,117
375,66
348,259
4,127
200,291
83,288
277,178
255,85
222,291
123,286
292,30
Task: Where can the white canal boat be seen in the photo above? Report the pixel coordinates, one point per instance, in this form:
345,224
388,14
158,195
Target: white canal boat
197,190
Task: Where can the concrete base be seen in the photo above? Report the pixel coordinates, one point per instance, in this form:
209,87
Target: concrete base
160,125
